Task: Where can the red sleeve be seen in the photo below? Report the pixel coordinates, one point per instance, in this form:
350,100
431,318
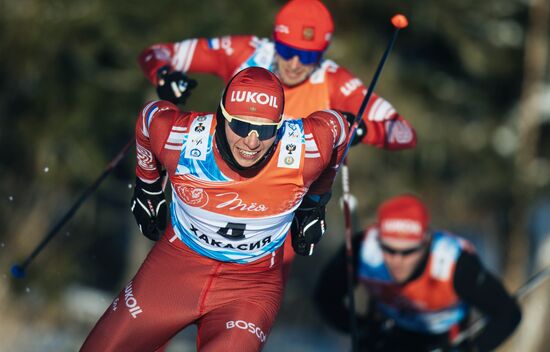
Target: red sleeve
326,134
385,127
153,127
218,56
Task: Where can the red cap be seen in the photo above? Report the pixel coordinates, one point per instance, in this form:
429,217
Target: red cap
257,92
403,218
304,24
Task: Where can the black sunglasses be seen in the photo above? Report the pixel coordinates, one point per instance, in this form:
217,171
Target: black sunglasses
402,252
244,128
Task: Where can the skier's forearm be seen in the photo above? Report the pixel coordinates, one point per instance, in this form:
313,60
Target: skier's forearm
482,290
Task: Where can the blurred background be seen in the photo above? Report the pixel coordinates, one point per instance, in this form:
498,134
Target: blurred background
471,76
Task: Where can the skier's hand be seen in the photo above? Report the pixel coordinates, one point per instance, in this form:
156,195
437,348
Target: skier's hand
308,226
149,208
361,130
174,86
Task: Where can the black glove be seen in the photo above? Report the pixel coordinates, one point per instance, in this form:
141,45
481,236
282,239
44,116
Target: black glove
308,225
174,86
149,208
361,130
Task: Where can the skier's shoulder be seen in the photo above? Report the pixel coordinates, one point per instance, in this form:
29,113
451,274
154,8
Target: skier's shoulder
335,71
338,78
163,115
327,121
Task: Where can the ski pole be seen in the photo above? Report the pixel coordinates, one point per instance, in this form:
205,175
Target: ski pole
399,22
18,270
526,288
349,254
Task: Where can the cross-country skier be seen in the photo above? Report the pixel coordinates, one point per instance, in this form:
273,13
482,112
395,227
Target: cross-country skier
302,32
421,286
238,176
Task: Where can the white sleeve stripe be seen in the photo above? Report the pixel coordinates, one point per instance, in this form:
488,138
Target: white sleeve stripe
343,130
311,145
312,155
179,57
175,59
177,128
176,136
381,110
373,109
309,135
190,55
175,140
173,147
184,52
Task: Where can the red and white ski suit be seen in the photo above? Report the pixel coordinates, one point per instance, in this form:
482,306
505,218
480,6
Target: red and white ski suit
219,264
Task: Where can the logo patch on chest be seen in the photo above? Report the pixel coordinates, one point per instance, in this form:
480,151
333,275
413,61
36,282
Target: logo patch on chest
195,197
291,146
196,148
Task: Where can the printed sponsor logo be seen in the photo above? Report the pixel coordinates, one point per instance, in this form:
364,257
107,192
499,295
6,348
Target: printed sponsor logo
293,130
403,226
240,96
308,33
234,202
250,327
244,246
195,153
195,197
281,28
131,301
200,127
400,132
289,160
145,158
350,86
196,141
290,148
201,118
114,306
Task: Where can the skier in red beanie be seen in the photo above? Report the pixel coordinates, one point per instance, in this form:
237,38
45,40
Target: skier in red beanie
422,285
238,178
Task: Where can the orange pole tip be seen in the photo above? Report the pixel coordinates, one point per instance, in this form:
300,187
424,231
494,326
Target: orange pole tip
399,21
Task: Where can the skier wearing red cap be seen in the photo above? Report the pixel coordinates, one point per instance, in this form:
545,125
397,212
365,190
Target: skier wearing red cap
238,177
302,32
421,285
